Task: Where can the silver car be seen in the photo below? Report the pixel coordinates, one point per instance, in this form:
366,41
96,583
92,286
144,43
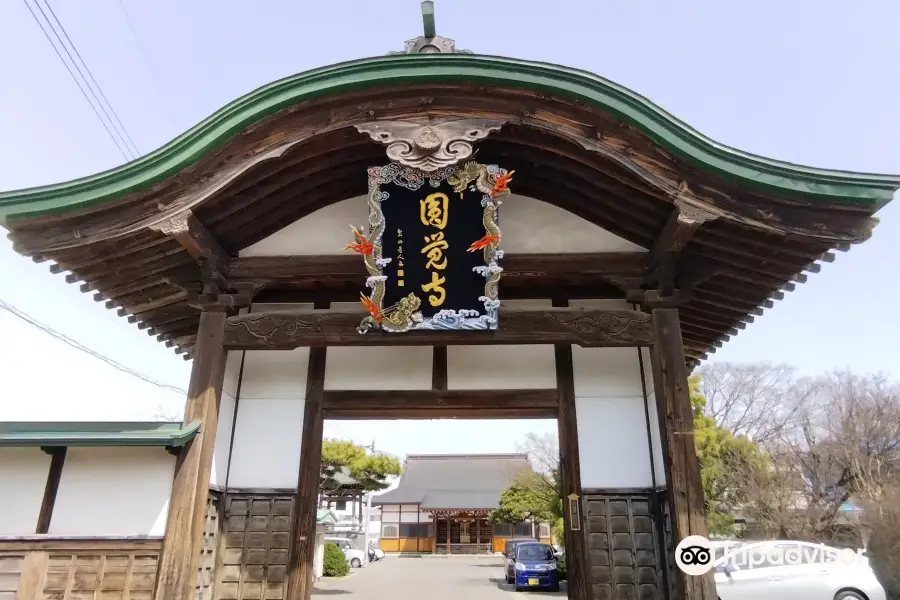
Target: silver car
787,570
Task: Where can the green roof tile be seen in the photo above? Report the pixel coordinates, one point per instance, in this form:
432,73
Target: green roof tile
96,433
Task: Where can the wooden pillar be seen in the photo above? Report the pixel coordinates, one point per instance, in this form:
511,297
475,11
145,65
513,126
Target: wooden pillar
570,469
303,522
54,474
176,577
676,422
449,532
477,535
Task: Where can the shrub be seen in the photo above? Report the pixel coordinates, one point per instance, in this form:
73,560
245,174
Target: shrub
561,568
335,563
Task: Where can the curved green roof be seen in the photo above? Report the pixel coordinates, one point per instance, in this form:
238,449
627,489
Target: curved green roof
665,129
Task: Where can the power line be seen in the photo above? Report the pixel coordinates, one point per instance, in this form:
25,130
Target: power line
88,93
78,346
115,117
153,78
77,82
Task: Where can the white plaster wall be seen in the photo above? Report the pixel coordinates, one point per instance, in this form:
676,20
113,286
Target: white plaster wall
269,424
390,513
612,425
409,515
23,477
378,367
326,231
219,474
503,367
113,491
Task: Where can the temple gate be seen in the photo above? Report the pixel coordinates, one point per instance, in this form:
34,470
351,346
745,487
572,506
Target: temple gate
612,249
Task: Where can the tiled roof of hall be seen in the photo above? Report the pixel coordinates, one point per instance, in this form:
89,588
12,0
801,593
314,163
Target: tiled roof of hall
455,481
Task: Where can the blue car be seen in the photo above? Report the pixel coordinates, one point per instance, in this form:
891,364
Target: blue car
536,567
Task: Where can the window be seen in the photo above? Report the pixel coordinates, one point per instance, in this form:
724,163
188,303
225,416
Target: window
390,530
416,530
524,530
534,552
502,530
544,531
340,505
375,517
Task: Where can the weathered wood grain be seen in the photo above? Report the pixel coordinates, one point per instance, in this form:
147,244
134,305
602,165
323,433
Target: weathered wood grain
265,269
583,327
441,404
676,422
570,470
303,520
183,542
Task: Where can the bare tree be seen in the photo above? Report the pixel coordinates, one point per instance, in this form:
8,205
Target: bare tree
164,415
542,451
842,438
758,400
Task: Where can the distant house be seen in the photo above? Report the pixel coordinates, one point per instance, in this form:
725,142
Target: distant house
347,501
441,505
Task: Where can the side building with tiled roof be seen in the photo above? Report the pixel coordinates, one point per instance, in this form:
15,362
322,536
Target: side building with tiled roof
442,502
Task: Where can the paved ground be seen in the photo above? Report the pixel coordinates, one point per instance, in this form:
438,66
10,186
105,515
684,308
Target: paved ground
441,578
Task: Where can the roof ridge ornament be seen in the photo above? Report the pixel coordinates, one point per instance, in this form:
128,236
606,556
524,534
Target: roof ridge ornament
431,144
430,42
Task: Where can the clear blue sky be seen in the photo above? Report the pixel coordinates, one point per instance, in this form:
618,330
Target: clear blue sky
813,82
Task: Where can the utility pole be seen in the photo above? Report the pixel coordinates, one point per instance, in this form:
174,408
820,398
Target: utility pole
368,511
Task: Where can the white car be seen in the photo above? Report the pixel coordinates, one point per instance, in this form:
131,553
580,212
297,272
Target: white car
355,557
788,570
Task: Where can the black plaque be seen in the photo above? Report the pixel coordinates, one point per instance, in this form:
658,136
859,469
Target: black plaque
432,247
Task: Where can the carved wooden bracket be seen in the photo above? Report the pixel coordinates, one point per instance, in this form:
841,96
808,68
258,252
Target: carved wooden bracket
430,146
691,212
192,235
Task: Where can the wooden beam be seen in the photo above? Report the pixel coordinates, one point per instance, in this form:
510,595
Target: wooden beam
441,404
513,287
675,415
54,474
303,521
580,326
349,267
188,231
683,222
180,558
570,469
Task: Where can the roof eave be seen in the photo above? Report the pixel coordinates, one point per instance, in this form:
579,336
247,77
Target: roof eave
873,190
165,436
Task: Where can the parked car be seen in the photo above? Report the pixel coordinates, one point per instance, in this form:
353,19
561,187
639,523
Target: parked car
375,553
509,552
535,567
355,557
753,570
